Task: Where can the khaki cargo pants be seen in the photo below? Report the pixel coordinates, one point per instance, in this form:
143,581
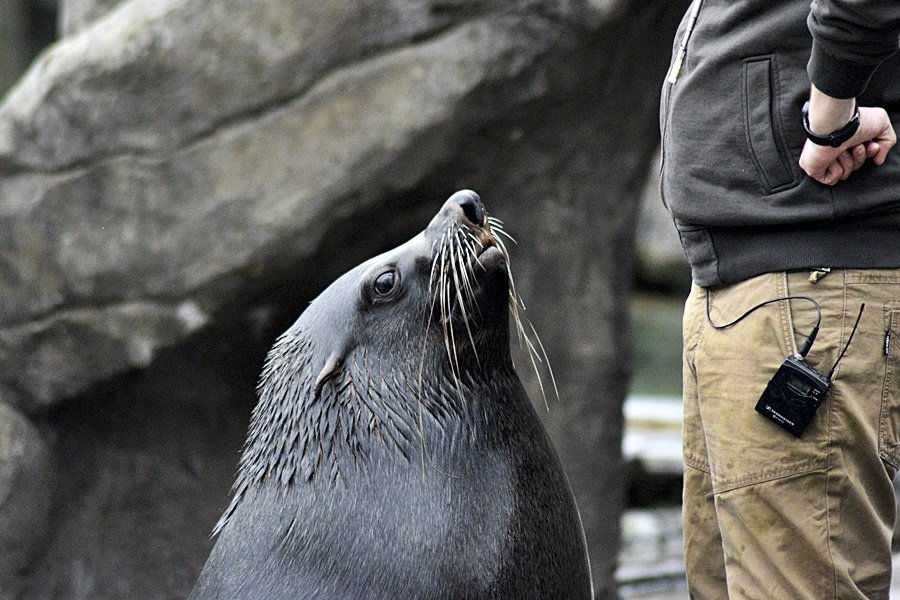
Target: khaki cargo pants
766,515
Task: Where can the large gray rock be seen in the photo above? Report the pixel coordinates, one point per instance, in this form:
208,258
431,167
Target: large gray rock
161,173
178,178
27,480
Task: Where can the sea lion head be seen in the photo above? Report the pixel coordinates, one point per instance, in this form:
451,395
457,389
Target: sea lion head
397,347
439,301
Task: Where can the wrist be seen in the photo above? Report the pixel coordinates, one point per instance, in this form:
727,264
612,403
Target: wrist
828,114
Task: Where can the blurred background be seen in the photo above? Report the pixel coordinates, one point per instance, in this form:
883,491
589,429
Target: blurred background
178,178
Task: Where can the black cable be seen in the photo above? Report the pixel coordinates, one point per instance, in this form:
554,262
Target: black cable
804,348
862,307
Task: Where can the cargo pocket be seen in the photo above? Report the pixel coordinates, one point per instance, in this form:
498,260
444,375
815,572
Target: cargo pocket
766,149
889,424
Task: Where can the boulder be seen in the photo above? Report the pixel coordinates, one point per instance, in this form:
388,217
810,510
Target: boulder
27,485
141,173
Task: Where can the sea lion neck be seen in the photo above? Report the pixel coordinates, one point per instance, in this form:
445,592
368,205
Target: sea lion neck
373,411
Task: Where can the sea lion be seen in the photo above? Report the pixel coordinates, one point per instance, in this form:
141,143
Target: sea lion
394,452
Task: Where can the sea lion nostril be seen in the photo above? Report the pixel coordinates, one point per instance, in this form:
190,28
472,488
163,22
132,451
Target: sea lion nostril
471,205
474,212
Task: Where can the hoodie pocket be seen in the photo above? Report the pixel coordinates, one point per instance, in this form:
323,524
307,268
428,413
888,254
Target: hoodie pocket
763,138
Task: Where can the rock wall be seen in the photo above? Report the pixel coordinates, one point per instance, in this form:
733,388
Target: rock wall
178,178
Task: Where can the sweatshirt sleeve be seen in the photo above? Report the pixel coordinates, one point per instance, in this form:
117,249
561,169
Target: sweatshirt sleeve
850,39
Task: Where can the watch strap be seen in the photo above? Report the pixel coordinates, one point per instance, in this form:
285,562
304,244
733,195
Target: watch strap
836,138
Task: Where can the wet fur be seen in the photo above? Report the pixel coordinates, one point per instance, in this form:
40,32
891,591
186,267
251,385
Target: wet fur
412,465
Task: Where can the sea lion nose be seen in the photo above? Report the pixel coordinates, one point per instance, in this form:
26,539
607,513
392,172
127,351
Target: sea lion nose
471,206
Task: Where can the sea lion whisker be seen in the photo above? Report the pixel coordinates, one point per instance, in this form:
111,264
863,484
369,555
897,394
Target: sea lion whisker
444,317
454,358
466,271
447,323
521,302
457,267
459,299
531,347
546,358
534,356
471,280
442,282
433,287
468,276
434,263
498,226
499,229
451,340
514,311
512,281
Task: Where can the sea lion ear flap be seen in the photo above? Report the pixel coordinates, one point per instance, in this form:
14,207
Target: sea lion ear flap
331,369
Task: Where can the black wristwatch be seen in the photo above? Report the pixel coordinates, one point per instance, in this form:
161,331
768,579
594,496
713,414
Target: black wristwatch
835,138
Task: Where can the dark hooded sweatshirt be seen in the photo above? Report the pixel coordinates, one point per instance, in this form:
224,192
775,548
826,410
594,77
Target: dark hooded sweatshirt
732,136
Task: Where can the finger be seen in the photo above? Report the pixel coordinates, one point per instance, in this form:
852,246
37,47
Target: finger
859,156
884,146
846,161
807,163
814,160
881,155
832,174
872,149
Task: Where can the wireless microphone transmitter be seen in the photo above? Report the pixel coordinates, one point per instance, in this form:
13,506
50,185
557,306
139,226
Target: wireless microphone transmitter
796,391
793,395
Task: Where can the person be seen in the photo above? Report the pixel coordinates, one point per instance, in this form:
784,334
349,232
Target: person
774,200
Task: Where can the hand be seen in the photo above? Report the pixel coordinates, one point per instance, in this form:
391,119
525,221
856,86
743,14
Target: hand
873,140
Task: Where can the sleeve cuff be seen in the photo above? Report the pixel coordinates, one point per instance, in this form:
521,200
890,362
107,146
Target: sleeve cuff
837,78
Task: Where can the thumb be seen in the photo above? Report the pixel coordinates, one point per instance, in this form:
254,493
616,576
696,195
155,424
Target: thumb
876,131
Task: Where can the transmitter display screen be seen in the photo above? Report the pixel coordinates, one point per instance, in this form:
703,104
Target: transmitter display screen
799,386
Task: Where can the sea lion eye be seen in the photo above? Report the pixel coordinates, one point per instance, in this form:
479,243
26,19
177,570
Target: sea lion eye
385,283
